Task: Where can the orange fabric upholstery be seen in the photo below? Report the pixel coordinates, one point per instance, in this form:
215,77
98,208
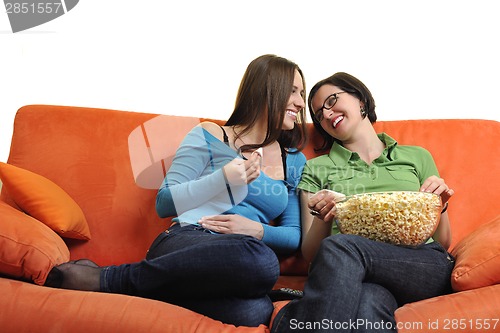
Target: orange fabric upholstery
28,248
44,200
85,151
468,311
109,161
40,309
478,258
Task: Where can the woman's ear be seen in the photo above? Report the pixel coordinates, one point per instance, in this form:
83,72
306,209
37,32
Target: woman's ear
362,110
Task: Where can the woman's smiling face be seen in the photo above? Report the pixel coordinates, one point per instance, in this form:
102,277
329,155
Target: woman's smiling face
339,120
295,104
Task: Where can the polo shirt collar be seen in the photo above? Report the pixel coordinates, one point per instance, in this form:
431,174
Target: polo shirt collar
389,142
341,156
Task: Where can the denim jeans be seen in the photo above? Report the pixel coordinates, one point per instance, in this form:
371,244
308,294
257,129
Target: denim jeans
224,276
356,284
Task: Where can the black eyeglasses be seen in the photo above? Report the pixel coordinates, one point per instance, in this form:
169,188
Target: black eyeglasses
327,104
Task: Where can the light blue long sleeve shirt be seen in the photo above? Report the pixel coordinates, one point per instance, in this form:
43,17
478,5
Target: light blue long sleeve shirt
195,187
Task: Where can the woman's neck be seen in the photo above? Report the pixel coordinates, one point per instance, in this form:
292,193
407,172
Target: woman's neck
366,144
255,135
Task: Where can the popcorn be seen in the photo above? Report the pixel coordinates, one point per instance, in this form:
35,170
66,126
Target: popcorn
401,218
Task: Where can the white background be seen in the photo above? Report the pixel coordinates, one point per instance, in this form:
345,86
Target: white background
421,59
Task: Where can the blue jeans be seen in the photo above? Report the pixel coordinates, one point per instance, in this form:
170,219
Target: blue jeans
226,277
356,284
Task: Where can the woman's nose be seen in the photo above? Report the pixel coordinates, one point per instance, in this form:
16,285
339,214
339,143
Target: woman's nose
327,113
300,102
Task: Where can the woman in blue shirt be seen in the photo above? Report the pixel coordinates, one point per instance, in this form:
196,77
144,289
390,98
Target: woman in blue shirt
226,184
355,284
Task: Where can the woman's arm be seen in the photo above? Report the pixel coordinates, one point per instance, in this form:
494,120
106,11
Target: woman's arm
437,185
314,230
285,236
443,231
323,203
185,187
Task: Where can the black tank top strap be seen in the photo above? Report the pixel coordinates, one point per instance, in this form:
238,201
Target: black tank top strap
226,139
283,159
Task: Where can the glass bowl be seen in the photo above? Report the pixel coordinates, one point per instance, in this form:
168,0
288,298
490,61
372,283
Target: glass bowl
407,218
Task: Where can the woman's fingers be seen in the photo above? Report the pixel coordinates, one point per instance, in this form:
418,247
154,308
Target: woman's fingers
323,204
437,185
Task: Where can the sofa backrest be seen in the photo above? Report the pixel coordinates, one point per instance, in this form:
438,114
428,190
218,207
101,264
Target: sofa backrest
85,151
88,152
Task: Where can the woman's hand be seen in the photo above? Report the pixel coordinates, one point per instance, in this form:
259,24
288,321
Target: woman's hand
322,204
241,172
232,224
436,185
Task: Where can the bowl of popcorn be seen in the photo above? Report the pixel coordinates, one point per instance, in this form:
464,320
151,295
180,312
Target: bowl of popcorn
407,218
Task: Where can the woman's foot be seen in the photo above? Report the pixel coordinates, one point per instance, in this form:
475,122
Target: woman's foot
84,262
84,275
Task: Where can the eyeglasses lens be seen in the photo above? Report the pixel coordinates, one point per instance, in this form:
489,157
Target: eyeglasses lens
330,102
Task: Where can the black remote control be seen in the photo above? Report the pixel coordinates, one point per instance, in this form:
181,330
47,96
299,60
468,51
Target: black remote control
283,294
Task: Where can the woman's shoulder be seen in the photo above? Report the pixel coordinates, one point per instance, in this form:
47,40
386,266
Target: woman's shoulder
212,128
416,154
295,161
295,157
413,150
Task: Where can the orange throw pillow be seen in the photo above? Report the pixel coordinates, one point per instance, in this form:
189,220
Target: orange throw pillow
29,249
478,258
40,198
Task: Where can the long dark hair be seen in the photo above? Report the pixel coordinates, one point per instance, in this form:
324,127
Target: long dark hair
354,87
267,85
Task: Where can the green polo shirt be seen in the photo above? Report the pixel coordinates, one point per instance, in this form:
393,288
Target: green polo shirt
398,168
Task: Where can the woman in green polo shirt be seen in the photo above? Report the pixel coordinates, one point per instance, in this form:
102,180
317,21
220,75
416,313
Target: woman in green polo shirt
355,284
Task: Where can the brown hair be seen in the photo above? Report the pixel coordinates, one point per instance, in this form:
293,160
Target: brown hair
267,85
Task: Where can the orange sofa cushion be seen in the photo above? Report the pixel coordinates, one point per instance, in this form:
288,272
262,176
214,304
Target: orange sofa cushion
471,311
478,258
41,309
45,201
28,248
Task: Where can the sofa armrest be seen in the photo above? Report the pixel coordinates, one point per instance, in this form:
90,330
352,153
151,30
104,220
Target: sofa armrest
472,311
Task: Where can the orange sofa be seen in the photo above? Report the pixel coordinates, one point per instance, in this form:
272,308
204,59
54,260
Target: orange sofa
81,183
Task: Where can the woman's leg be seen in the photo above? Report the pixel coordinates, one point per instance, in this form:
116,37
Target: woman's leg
221,276
344,262
376,310
192,263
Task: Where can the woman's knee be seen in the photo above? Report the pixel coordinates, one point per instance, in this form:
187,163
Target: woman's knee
260,261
